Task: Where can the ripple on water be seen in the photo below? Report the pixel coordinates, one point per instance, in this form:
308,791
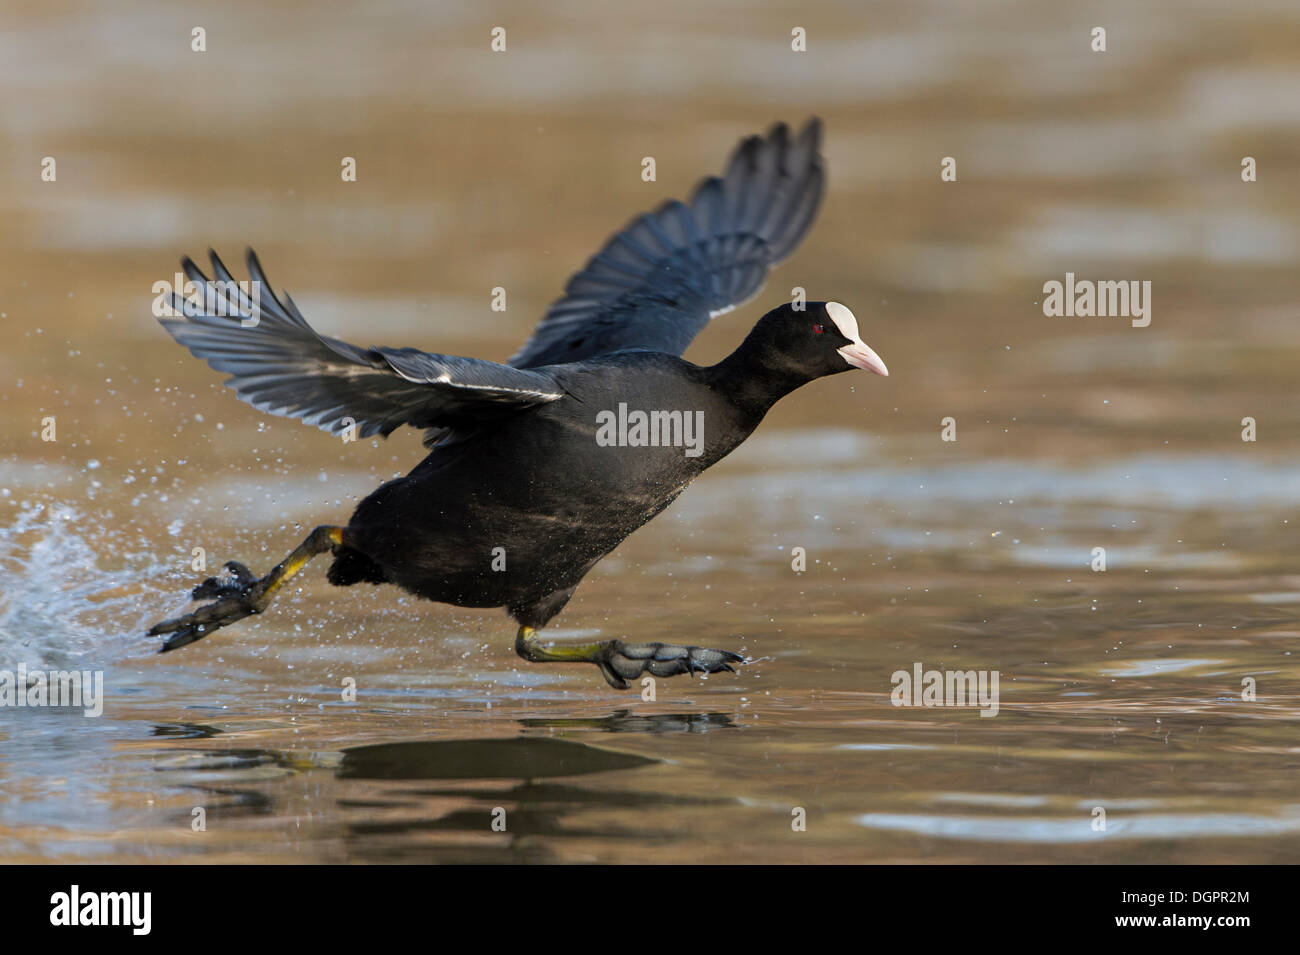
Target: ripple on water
1076,829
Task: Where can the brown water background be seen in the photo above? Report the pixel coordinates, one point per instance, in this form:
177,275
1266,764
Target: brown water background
1120,690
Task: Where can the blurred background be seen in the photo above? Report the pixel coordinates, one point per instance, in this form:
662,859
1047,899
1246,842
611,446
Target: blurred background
1120,690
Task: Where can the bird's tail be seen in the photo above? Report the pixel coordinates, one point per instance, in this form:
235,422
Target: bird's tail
353,567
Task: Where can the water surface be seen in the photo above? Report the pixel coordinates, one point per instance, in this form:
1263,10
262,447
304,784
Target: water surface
1119,690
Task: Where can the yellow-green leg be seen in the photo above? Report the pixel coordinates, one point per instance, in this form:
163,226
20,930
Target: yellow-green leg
620,662
244,594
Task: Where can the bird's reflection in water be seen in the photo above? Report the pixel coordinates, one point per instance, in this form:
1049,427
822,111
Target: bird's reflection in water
623,721
185,730
454,823
523,784
523,757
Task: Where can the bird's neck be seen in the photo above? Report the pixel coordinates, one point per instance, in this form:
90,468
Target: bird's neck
750,379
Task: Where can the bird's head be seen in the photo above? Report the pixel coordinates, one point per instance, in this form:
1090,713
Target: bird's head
819,339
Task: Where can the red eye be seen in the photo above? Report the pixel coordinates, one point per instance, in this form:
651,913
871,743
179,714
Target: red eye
818,328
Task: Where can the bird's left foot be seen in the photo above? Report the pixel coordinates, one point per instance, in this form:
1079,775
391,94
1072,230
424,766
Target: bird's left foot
240,595
239,579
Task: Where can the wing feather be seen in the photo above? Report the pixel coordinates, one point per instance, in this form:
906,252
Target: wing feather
656,284
278,363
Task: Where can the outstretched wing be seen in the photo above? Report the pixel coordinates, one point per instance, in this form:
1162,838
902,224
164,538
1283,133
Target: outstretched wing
656,284
278,363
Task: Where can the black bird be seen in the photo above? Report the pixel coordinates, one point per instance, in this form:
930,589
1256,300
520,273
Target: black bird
540,467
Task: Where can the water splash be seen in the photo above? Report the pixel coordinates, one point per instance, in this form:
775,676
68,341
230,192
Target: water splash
73,591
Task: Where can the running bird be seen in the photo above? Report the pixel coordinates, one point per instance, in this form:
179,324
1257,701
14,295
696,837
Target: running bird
518,499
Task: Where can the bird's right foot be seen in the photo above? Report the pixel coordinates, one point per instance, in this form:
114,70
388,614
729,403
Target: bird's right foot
621,662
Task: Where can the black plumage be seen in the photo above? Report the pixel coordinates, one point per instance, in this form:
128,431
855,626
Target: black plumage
519,496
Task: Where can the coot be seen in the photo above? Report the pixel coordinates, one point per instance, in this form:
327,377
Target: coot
540,467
